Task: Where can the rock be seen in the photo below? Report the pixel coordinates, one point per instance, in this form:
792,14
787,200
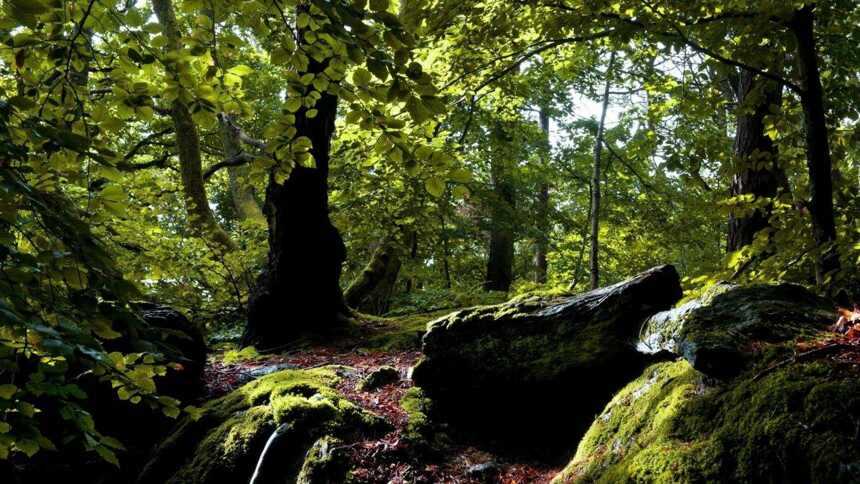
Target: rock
326,462
418,408
284,412
796,424
716,331
379,377
180,341
541,363
484,472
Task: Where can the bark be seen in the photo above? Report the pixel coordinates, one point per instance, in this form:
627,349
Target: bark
818,159
595,181
200,216
413,256
500,261
299,290
542,245
371,291
241,191
757,171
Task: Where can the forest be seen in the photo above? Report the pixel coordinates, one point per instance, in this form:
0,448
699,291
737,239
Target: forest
421,241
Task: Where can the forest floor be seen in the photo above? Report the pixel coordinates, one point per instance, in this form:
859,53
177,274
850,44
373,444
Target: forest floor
390,458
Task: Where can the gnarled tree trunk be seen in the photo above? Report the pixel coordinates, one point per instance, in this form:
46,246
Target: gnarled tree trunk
757,170
299,290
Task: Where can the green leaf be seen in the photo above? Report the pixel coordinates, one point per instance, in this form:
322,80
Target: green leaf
361,77
107,455
435,186
303,20
293,104
7,390
241,70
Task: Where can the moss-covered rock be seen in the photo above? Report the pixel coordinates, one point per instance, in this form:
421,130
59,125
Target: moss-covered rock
379,377
513,362
326,462
417,407
797,423
225,444
716,331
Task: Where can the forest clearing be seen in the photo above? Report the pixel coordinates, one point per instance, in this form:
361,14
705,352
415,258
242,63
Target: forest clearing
429,241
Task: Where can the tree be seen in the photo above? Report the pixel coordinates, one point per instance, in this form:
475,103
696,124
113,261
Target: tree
595,177
200,215
757,172
542,245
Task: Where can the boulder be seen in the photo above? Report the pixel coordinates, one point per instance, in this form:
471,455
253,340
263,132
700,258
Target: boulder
170,333
673,424
379,377
717,331
261,432
518,368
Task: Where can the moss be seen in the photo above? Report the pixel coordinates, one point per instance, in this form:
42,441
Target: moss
384,375
224,445
417,407
325,462
796,424
400,333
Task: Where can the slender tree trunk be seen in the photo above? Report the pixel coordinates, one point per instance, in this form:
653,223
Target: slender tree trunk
500,260
200,216
299,290
371,291
542,245
241,191
413,256
757,170
818,159
595,180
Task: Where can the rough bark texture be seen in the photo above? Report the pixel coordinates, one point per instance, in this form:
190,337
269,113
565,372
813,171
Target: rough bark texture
371,291
299,290
486,365
241,191
595,181
542,245
500,260
757,170
817,145
200,216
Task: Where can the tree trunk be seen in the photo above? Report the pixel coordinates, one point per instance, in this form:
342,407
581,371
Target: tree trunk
500,260
241,191
200,216
818,159
595,181
542,245
757,170
299,290
371,291
413,256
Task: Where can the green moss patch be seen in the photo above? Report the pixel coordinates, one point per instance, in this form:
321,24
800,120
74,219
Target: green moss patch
796,424
224,445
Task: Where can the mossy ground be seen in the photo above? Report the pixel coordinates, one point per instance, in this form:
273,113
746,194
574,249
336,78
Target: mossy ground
797,423
230,436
